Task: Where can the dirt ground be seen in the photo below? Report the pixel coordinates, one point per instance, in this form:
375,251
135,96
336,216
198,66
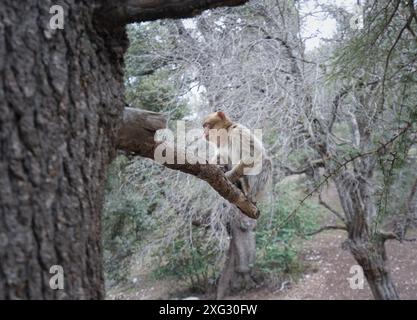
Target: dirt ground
332,266
326,278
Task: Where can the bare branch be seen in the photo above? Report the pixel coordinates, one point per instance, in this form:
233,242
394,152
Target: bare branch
311,165
393,236
328,207
326,228
342,165
136,135
119,13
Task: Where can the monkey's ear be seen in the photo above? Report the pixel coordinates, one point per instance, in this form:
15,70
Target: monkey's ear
222,115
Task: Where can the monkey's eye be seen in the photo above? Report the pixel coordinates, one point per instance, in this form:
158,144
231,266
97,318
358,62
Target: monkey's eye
208,126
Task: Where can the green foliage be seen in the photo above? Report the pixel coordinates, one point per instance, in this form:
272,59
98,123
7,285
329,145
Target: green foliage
149,80
396,173
377,37
149,85
125,221
194,262
278,251
156,93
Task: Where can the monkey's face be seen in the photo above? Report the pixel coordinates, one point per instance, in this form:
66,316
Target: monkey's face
213,123
207,127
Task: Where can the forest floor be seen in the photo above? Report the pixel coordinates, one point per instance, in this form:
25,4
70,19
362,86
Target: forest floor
325,278
326,271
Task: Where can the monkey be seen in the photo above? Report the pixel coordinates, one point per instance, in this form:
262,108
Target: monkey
235,144
252,174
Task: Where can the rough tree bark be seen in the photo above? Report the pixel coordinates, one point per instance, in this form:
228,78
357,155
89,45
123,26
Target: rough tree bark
240,258
61,95
371,256
61,99
366,243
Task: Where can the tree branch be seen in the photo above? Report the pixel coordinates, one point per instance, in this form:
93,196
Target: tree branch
311,165
411,200
385,235
328,207
326,228
119,13
136,135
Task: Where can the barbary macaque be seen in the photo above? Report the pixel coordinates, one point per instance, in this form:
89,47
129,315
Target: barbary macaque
243,154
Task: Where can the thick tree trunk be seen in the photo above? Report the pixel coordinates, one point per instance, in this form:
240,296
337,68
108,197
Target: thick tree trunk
60,100
371,256
367,246
240,259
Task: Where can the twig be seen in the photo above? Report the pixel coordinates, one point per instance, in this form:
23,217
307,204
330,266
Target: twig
324,204
342,165
326,228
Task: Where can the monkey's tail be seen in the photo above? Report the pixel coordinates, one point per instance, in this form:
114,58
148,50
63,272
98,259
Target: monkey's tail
264,181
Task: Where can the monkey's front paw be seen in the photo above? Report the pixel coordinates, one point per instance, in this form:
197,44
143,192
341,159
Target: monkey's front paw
223,167
230,176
